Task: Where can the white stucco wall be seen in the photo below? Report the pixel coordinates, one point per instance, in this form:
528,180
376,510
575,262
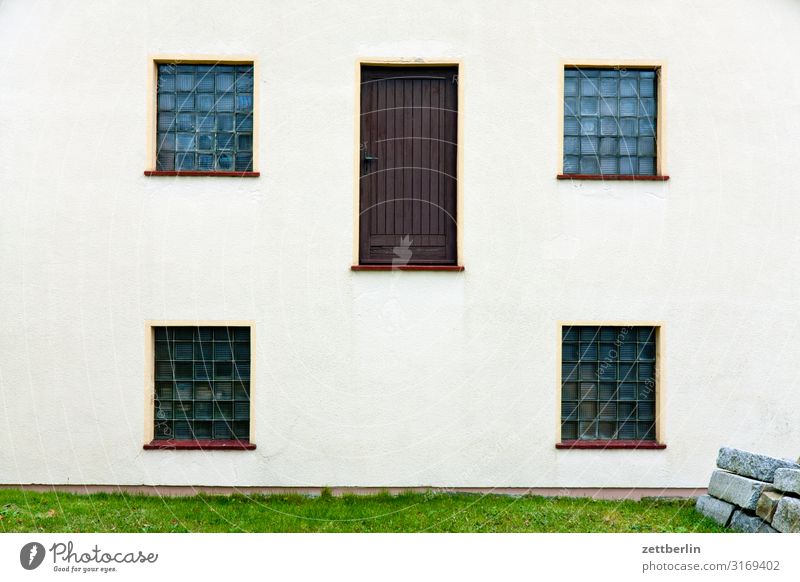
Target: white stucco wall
381,379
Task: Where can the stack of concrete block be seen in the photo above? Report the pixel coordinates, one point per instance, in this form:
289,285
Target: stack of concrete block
753,493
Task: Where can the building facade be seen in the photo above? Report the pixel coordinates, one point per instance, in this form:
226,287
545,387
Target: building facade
540,245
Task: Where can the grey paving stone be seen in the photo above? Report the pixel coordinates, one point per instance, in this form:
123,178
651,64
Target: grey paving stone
753,465
788,480
715,509
741,491
787,515
749,523
767,504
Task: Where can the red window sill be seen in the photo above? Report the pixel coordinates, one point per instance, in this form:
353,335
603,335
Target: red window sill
407,268
196,173
610,177
610,445
211,445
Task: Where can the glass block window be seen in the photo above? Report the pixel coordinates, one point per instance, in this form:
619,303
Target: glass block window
202,383
608,383
610,121
205,118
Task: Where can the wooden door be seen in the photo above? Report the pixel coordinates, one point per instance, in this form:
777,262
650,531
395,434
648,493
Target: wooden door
408,165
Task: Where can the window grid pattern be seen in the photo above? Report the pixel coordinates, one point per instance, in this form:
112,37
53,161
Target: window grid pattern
202,383
205,118
608,383
610,121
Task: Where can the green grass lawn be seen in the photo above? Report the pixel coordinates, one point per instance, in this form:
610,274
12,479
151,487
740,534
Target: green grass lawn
26,511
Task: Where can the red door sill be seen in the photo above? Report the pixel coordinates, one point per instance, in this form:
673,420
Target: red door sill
610,445
210,445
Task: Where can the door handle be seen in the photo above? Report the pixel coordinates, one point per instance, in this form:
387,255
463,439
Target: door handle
369,158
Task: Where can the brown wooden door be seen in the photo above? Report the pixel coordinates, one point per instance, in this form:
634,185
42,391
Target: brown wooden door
408,165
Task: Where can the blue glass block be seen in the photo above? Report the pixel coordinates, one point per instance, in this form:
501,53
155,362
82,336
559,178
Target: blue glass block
569,372
241,352
609,165
608,333
166,121
242,370
608,390
571,146
647,87
223,351
244,102
647,351
183,410
590,106
589,333
647,107
203,410
628,166
166,141
241,390
241,410
569,391
646,410
571,164
225,122
628,87
627,431
224,141
589,146
627,146
166,82
628,127
569,411
205,82
163,409
573,72
244,80
589,125
165,161
646,146
645,334
589,88
608,410
185,101
588,351
569,352
647,126
222,430
569,431
183,431
570,106
570,334
588,371
224,102
205,142
647,430
607,352
185,68
606,430
608,87
627,350
587,430
244,122
184,162
646,371
185,82
223,371
608,146
590,165
224,82
608,107
572,126
626,410
205,162
225,162
206,122
646,391
166,101
183,351
608,126
164,370
184,122
587,410
163,351
608,371
223,390
244,162
204,102
183,390
185,142
628,107
570,86
245,142
627,371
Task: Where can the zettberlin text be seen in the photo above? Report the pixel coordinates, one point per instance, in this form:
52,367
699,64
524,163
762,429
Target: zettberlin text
667,549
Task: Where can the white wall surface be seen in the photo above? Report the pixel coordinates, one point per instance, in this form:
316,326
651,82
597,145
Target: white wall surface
386,378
